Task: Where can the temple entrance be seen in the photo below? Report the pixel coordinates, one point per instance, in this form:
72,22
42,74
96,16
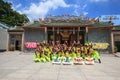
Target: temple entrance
17,45
15,42
66,34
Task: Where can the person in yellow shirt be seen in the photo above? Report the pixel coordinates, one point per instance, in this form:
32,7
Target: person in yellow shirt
67,59
42,58
56,58
73,55
78,59
89,59
36,57
96,55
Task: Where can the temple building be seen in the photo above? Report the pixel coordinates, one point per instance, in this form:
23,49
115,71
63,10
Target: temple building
3,36
64,28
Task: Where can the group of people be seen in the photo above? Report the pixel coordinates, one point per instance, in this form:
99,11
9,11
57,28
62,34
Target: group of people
66,54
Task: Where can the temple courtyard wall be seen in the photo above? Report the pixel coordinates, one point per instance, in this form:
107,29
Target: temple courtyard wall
3,39
101,36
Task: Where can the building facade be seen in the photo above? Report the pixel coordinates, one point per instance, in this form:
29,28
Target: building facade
64,28
3,36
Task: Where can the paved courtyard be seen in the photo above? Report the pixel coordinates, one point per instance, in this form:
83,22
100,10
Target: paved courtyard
20,66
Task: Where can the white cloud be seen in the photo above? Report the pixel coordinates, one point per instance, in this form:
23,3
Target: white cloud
85,13
39,10
15,7
20,12
76,6
84,6
79,6
19,5
79,9
98,0
76,12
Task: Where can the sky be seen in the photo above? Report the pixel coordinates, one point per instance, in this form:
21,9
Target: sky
36,9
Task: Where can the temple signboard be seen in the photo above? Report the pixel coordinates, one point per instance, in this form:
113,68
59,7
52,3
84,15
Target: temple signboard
112,17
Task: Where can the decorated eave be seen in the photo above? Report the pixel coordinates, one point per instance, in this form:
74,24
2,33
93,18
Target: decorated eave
67,21
34,25
73,21
16,29
62,25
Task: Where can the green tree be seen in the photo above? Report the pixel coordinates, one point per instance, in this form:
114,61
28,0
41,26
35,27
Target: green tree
10,16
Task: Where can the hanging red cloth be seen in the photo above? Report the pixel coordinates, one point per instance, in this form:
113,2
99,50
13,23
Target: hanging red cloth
30,44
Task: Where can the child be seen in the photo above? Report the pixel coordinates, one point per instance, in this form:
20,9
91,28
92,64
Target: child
67,59
42,58
47,55
73,55
36,57
56,58
89,59
62,55
96,55
78,59
84,53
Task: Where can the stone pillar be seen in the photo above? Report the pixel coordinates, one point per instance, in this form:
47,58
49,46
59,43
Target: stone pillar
86,31
112,42
22,45
53,35
78,33
46,35
8,41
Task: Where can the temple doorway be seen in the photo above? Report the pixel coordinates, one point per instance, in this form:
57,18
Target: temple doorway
17,45
15,42
66,34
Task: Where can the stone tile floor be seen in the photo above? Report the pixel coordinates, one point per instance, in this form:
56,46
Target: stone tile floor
20,66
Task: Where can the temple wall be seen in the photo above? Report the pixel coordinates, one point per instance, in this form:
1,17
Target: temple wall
100,36
3,39
32,36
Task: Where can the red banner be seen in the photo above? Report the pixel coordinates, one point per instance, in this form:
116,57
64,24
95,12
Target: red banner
30,44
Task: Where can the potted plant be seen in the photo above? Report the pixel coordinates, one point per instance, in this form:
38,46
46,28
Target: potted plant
11,47
19,46
115,49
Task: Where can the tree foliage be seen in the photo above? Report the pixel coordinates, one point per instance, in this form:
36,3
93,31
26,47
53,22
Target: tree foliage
10,16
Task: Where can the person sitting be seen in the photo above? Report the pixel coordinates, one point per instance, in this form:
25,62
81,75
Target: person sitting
62,55
42,57
47,56
73,55
67,60
96,55
36,57
78,60
89,59
56,59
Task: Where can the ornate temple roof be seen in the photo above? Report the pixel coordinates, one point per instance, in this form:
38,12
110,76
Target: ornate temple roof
34,24
68,21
